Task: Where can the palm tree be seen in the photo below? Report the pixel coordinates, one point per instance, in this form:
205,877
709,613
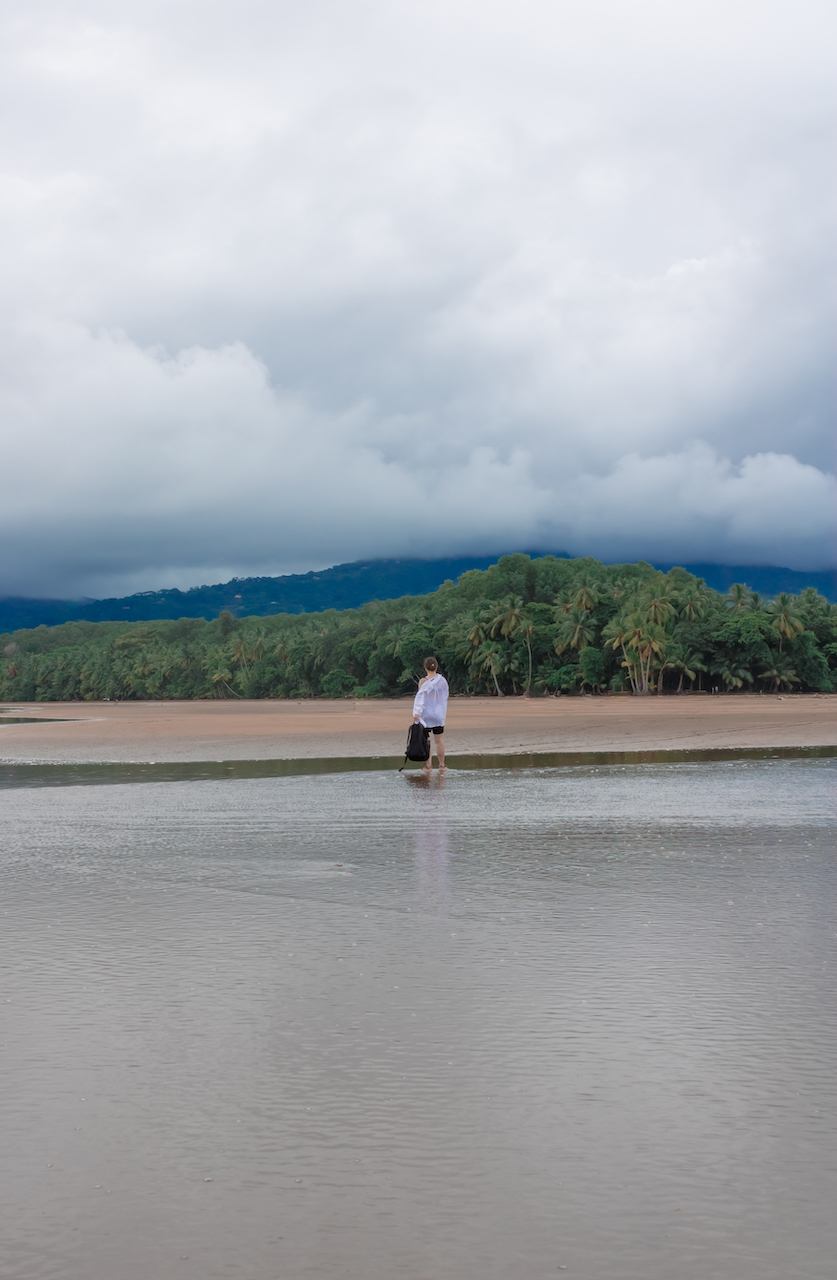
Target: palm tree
732,676
509,620
616,634
221,680
641,644
527,631
650,643
659,609
240,650
783,677
786,623
247,648
258,640
695,666
682,665
693,601
585,597
575,631
688,662
490,660
738,597
619,588
477,634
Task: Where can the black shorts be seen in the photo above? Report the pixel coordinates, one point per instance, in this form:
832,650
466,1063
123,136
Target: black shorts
437,729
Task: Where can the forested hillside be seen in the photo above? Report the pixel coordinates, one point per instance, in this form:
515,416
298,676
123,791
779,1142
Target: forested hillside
542,625
344,586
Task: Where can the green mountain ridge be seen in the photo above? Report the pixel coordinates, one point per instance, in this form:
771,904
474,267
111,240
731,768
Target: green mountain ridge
346,586
538,625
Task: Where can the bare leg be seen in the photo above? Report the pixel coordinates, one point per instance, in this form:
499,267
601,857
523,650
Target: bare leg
440,750
428,766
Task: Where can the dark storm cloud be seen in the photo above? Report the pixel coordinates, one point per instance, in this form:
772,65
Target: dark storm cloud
274,277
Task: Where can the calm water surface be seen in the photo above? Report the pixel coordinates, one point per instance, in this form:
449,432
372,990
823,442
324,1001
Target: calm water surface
522,1025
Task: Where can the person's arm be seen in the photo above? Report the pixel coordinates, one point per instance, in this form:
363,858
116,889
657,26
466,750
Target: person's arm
418,703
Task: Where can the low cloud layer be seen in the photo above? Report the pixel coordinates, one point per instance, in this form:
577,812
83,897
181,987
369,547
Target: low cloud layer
281,286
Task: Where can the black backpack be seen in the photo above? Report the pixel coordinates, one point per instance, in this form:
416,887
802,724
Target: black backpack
418,744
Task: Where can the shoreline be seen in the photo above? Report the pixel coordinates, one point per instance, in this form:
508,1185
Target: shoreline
103,773
213,731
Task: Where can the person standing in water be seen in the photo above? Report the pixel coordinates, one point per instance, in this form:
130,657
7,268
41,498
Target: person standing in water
430,708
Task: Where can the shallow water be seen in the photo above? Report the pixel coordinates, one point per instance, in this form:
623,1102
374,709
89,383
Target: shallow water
4,719
362,1025
100,772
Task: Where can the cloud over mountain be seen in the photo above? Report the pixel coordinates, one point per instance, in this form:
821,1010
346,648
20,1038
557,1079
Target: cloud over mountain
275,278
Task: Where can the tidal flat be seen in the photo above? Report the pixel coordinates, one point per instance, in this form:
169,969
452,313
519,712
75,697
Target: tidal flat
503,1023
268,729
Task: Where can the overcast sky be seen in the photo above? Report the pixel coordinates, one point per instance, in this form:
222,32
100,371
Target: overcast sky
282,282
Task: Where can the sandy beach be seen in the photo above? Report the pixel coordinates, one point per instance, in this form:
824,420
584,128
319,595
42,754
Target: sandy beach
273,730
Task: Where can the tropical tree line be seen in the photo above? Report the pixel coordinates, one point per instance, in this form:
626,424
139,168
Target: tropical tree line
524,626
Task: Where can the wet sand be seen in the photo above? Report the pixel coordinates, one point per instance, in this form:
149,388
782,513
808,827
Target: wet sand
281,730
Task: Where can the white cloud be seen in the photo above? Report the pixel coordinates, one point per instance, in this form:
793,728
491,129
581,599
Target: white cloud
274,277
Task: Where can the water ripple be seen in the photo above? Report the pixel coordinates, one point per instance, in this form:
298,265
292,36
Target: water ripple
361,1026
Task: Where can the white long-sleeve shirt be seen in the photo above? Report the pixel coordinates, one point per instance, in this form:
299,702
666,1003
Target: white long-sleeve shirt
431,701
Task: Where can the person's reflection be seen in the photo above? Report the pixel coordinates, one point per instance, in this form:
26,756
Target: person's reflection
431,843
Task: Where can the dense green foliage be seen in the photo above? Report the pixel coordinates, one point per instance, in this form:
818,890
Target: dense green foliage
543,625
344,586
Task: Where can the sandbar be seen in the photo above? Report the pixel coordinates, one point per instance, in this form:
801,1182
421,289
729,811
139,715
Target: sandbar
287,730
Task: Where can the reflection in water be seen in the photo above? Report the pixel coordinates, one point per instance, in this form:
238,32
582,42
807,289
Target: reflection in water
431,839
500,1025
